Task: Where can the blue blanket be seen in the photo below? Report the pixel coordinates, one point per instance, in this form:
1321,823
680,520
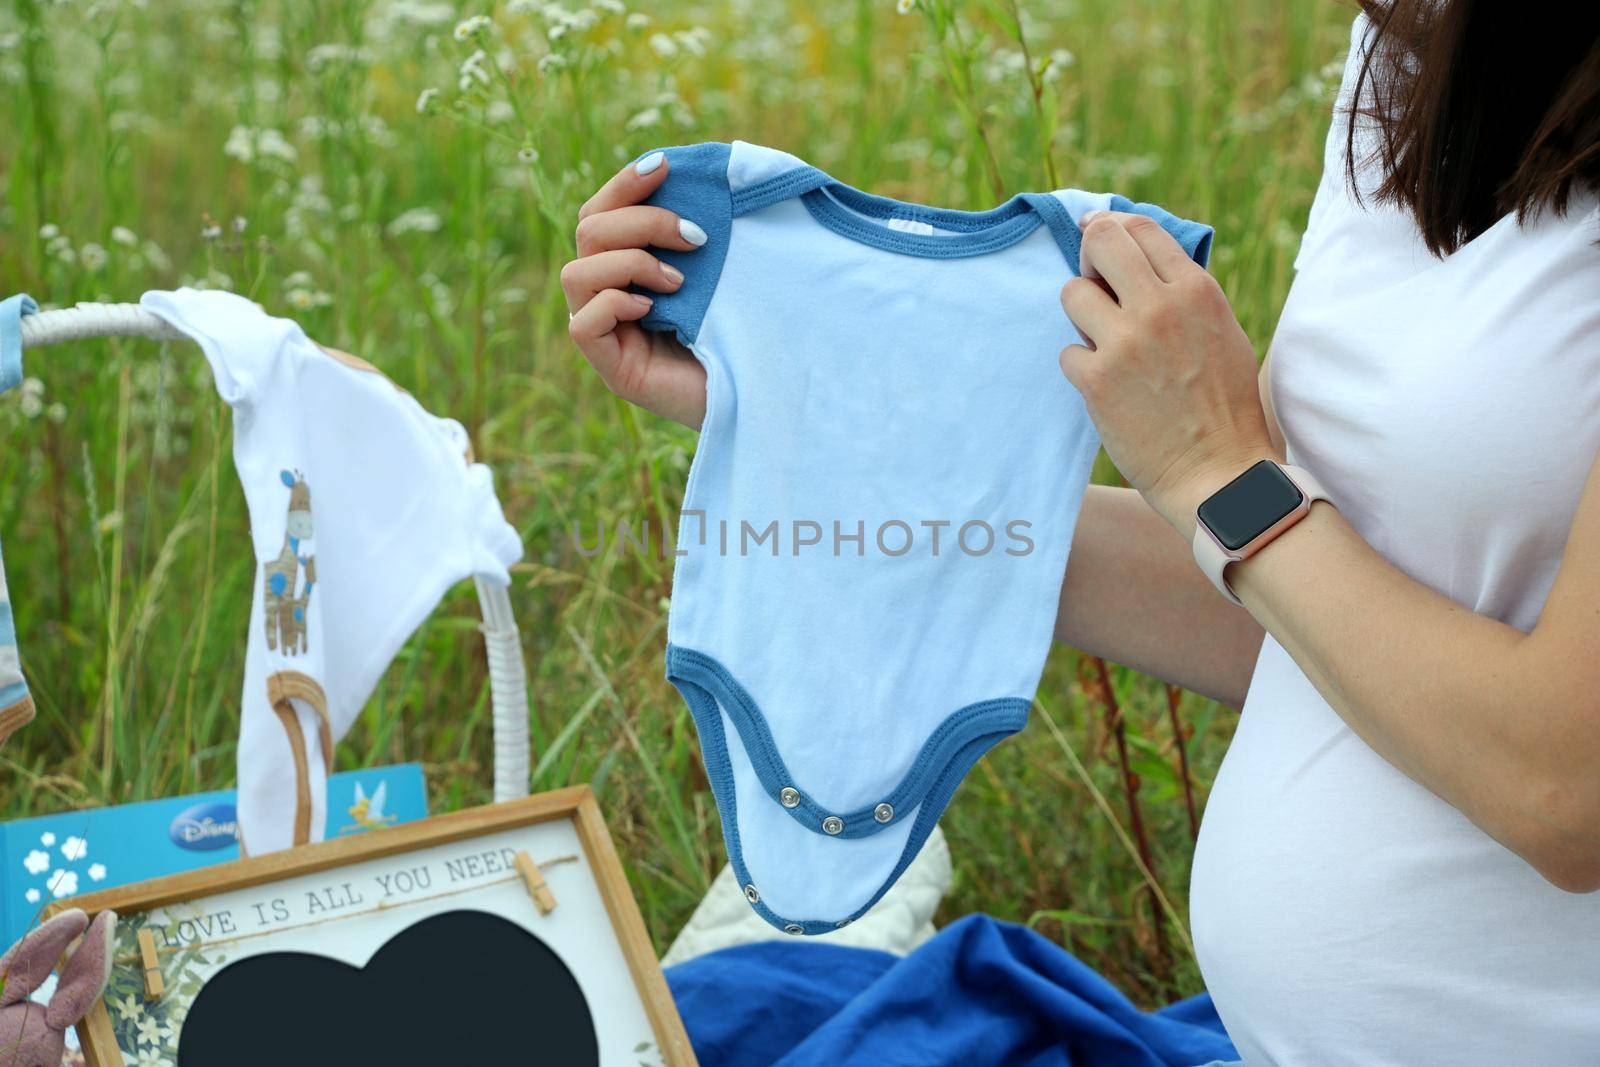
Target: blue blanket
980,992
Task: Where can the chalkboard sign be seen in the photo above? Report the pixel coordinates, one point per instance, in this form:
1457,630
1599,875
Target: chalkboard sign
498,935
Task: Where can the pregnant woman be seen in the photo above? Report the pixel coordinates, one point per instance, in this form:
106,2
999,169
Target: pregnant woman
1400,859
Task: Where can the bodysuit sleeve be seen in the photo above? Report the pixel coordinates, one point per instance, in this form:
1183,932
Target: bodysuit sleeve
1195,237
696,189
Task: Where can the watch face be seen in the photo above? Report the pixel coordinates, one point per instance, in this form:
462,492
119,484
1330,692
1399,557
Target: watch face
1246,507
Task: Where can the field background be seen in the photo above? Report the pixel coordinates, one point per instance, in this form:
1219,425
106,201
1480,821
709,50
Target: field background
358,166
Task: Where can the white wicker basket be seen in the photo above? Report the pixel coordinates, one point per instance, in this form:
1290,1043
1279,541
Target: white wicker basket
508,679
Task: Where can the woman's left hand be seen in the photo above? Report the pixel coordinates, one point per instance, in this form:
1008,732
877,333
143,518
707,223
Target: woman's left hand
1167,373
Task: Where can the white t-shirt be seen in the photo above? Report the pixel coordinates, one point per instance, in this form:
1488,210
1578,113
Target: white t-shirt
1344,914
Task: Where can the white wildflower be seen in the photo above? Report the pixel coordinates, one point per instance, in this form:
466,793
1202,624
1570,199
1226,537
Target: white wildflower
324,55
123,236
500,111
444,301
422,14
154,256
471,27
663,45
377,130
473,69
528,154
1055,67
637,20
93,256
305,298
905,7
551,62
650,116
425,100
300,279
57,413
694,40
240,224
210,232
49,232
240,145
417,220
271,143
247,145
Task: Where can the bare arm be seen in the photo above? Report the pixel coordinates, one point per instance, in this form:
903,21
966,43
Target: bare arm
1134,596
1504,726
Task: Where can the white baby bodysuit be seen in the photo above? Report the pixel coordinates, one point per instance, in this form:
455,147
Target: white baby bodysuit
877,519
364,510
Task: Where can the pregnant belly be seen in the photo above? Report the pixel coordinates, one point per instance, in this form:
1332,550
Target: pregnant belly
1343,914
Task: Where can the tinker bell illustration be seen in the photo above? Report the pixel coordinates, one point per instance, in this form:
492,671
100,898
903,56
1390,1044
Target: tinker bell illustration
368,812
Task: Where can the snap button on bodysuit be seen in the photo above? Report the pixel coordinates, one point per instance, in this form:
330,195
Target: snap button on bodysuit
832,824
794,928
751,895
789,797
883,812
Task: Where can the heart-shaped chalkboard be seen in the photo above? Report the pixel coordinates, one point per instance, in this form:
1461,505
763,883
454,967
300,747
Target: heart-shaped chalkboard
461,987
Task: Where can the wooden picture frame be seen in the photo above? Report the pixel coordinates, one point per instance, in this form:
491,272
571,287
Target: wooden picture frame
577,804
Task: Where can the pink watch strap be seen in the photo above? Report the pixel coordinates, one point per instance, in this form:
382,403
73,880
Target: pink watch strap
1214,558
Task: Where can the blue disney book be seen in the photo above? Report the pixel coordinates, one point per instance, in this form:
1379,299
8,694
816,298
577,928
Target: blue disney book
54,857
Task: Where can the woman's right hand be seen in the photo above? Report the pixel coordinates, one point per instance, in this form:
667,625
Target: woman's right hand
645,367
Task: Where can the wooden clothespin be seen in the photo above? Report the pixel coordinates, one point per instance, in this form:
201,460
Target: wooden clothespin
153,985
538,888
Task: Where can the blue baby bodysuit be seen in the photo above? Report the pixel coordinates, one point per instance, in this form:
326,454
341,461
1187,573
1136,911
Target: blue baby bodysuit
877,519
16,706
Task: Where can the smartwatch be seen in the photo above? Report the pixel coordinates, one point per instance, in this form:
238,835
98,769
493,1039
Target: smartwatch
1238,520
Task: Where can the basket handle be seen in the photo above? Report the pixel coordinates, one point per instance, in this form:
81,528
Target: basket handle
508,678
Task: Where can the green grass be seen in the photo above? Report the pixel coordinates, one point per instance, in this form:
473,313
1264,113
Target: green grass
428,241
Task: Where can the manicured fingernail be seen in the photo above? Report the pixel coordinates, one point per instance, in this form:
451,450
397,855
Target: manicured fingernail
1088,216
644,301
691,233
673,274
648,164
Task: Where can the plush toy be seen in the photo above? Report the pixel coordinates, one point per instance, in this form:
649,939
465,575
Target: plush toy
33,1034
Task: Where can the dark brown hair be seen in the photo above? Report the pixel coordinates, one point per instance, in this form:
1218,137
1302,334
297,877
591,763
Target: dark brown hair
1481,108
